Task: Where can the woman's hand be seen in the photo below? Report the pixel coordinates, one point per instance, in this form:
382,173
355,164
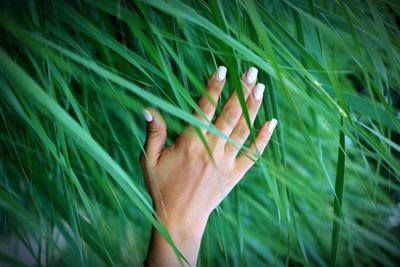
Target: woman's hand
186,184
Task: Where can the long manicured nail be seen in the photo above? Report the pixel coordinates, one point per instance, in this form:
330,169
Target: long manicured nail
258,91
147,115
221,73
271,126
251,75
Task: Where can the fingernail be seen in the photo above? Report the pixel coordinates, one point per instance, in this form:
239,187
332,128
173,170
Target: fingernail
221,73
147,115
258,91
251,75
271,126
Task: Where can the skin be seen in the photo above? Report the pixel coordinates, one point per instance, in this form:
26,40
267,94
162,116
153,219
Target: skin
186,185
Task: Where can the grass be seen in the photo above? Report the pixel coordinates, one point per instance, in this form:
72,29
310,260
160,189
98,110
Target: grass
75,76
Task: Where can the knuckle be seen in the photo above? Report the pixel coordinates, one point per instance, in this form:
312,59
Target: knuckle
204,157
242,131
190,148
217,149
231,112
206,107
157,131
212,85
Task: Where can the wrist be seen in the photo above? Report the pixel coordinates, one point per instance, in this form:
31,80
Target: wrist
186,237
186,233
183,222
184,227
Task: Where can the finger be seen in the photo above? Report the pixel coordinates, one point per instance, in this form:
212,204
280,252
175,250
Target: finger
155,136
208,101
232,110
246,160
241,131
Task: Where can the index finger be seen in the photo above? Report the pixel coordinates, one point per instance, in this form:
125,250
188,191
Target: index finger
208,101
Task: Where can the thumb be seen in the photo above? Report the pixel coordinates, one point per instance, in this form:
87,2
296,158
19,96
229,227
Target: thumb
156,134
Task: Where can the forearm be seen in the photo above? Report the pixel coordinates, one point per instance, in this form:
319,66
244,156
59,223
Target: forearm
187,239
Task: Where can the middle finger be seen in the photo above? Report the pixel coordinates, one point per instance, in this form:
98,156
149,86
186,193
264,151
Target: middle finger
232,110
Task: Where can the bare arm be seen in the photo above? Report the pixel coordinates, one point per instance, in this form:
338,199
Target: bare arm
184,182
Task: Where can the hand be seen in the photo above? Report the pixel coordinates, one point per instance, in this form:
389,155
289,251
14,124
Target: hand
186,185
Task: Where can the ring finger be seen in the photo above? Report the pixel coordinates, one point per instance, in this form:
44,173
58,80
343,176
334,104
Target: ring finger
241,131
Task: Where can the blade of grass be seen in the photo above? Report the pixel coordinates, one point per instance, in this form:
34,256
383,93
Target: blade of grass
338,200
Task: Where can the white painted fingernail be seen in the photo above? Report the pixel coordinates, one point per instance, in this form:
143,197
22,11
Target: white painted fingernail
251,75
147,115
258,91
221,73
271,126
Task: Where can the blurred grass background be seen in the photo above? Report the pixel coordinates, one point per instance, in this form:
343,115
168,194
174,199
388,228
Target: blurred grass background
75,76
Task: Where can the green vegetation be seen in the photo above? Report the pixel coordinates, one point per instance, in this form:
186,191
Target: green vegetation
75,76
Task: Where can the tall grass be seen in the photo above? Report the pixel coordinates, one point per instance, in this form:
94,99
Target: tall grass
75,76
